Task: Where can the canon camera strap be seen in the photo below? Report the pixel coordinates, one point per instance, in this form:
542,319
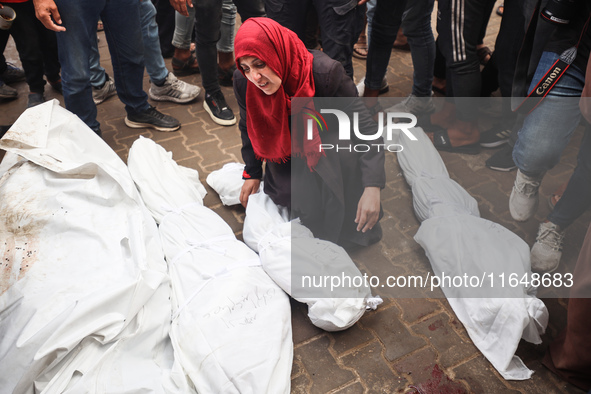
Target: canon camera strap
554,73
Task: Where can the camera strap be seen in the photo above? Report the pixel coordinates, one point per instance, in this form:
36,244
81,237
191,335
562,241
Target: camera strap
549,80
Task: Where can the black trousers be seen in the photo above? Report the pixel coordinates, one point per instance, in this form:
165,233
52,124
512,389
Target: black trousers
208,19
340,21
36,46
460,28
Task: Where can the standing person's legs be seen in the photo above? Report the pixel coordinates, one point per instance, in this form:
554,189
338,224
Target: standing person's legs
577,197
183,61
545,133
51,64
80,18
153,59
340,23
208,19
416,24
225,45
165,20
124,36
385,25
28,45
290,14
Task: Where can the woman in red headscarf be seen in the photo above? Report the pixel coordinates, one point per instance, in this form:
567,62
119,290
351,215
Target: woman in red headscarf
335,194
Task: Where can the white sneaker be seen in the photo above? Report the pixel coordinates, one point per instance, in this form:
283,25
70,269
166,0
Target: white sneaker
383,89
524,199
174,90
108,90
547,251
415,105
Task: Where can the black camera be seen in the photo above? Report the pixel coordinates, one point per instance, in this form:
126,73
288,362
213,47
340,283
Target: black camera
559,12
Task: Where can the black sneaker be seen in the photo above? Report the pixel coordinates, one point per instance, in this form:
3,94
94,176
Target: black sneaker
502,160
216,106
153,119
35,99
496,136
12,74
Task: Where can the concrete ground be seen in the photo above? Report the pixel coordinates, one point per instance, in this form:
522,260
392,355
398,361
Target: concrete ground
408,344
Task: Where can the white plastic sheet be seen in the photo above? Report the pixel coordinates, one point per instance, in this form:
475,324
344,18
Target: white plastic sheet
84,297
231,327
458,242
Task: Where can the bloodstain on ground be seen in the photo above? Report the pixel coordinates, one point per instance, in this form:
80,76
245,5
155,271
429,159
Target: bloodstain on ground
439,383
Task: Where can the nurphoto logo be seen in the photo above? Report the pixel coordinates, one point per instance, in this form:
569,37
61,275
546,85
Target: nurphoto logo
344,122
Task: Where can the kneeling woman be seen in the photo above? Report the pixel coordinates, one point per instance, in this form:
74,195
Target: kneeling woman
335,194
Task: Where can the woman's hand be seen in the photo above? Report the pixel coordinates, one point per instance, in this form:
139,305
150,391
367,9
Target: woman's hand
251,186
368,209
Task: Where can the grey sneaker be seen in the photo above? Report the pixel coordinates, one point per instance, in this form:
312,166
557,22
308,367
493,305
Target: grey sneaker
174,90
101,94
415,105
546,252
524,199
6,92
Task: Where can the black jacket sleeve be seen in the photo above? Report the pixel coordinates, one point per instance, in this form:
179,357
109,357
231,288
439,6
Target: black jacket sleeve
331,80
253,168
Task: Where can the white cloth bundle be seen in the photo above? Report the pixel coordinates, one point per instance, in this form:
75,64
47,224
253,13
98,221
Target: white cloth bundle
296,261
224,304
224,182
84,295
459,243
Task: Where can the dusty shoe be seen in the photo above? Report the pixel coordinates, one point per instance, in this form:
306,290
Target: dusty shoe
546,252
6,92
415,105
101,94
12,74
524,199
174,90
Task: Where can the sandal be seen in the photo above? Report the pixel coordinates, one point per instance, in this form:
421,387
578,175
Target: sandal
181,68
442,142
360,51
484,54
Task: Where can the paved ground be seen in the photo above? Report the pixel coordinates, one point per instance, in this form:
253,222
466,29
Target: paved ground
406,343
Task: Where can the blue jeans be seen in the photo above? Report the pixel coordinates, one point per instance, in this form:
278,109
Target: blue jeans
545,133
152,55
122,29
208,20
416,24
184,28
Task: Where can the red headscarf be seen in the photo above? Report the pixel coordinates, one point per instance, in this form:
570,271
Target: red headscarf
267,117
